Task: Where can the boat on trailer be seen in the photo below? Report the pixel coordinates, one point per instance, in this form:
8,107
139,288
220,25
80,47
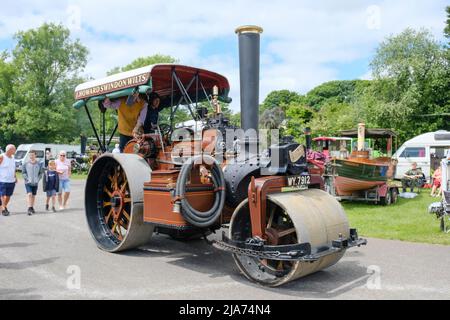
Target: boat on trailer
362,175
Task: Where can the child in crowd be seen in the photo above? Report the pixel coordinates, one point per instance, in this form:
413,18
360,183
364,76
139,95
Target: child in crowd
51,184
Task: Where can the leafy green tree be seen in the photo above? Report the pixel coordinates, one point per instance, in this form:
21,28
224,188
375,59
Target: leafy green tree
43,72
340,91
334,117
280,98
412,80
7,75
143,62
7,107
298,116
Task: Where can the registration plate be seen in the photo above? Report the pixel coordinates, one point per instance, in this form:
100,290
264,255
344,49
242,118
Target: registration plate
299,182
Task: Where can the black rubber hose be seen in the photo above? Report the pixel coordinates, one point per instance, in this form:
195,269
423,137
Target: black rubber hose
193,216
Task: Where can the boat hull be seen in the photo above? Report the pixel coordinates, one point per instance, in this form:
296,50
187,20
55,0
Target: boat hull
352,176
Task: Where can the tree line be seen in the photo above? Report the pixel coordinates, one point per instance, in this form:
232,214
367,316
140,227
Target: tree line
410,91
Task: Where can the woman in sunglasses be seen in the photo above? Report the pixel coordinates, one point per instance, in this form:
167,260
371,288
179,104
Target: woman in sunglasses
64,170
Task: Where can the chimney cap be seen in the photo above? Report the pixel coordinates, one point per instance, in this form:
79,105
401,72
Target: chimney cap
249,29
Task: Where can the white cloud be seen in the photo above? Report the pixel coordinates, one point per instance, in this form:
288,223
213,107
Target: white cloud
303,42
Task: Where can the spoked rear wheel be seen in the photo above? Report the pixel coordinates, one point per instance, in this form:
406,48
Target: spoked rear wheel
115,199
114,202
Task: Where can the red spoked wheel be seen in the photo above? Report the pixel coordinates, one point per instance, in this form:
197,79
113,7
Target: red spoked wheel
114,202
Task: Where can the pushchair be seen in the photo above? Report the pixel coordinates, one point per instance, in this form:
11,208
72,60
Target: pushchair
442,211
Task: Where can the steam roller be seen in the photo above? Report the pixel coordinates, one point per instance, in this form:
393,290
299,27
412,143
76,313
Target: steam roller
188,183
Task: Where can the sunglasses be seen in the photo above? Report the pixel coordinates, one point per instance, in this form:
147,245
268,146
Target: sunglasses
62,155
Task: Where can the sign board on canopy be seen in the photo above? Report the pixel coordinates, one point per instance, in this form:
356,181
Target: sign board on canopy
114,83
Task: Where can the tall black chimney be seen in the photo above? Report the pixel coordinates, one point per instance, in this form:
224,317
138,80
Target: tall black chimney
249,51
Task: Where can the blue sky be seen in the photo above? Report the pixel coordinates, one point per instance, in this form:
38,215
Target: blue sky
304,43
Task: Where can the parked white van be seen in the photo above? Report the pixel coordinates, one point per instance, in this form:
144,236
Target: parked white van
426,149
23,152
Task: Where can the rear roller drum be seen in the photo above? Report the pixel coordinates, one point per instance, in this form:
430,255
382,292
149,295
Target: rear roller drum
114,202
309,216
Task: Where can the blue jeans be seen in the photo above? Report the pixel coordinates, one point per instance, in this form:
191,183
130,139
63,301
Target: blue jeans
64,186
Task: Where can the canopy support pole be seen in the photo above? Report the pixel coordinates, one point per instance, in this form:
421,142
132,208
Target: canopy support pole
104,129
93,127
172,100
185,95
112,135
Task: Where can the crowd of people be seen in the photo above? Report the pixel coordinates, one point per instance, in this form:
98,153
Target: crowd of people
55,179
137,114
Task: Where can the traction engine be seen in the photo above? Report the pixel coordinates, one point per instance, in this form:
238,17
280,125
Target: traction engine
187,184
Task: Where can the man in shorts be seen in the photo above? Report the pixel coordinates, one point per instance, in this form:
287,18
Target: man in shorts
32,172
8,178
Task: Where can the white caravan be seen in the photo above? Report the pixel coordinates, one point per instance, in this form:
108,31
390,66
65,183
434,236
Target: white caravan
23,152
426,149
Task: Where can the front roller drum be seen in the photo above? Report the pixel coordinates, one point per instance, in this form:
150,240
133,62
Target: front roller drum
310,216
114,202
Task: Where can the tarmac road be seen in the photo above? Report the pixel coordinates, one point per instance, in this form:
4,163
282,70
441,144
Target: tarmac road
41,257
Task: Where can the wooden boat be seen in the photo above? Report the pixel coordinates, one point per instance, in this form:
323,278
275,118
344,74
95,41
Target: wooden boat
358,172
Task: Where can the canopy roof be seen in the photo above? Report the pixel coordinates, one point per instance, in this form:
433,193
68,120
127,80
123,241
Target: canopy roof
156,78
370,133
330,139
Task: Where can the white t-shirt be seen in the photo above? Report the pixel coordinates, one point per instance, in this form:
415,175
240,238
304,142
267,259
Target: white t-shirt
8,170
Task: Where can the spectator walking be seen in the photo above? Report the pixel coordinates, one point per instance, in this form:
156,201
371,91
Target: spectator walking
8,178
32,171
64,169
51,185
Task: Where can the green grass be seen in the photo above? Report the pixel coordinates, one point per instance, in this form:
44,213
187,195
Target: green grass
407,220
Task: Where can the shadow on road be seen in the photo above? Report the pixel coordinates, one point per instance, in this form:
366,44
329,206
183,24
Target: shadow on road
26,264
23,294
16,245
200,257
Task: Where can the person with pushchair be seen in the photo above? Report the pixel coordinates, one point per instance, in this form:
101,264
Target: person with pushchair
412,178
